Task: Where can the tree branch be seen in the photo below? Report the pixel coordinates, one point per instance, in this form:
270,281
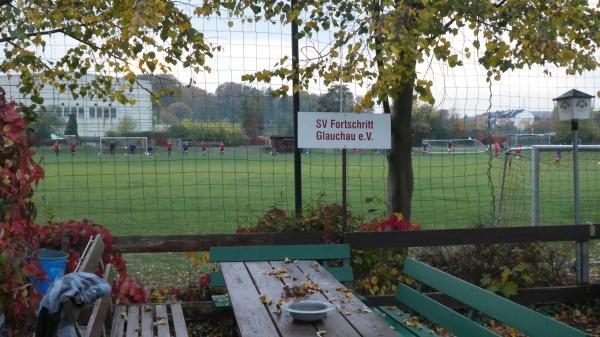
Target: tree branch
46,32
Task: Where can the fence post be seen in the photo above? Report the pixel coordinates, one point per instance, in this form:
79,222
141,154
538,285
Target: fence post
295,109
582,256
344,191
535,186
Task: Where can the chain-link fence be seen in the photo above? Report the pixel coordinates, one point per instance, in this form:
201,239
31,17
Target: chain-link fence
238,137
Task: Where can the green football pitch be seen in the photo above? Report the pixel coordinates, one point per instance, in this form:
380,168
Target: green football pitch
160,194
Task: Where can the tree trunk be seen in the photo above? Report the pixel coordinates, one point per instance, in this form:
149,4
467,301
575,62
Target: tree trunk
400,171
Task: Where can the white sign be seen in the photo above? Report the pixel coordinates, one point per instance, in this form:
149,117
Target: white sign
335,130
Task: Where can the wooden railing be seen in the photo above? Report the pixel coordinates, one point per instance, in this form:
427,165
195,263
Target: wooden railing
362,240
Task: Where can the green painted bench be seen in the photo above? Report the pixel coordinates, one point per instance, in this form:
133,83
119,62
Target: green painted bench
325,254
480,301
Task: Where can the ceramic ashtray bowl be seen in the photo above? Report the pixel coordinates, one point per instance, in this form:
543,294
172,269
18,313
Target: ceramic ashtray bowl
308,311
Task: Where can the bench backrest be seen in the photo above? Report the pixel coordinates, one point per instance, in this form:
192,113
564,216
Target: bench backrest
324,253
519,317
90,259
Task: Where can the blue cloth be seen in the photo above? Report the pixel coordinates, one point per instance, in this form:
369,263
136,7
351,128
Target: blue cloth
82,288
2,326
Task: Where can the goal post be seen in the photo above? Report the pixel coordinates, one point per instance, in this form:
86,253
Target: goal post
445,146
120,145
528,139
537,182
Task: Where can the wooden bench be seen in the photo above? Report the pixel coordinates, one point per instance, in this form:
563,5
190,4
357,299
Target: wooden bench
148,320
160,320
480,301
325,254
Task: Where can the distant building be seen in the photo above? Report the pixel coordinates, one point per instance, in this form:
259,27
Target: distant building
520,118
94,116
524,120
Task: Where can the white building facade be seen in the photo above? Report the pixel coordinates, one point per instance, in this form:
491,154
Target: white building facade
95,116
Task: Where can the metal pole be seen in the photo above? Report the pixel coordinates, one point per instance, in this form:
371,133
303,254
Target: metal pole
502,192
575,171
344,191
581,248
535,186
344,160
295,109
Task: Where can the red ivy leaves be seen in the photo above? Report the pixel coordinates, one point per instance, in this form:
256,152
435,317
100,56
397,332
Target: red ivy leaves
18,234
395,221
78,233
126,290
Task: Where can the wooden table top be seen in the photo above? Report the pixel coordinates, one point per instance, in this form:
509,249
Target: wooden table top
251,284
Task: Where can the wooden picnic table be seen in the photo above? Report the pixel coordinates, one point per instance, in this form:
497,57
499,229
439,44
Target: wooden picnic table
251,284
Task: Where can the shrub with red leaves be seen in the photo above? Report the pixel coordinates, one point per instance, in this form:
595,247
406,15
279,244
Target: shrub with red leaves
20,237
73,235
395,221
19,172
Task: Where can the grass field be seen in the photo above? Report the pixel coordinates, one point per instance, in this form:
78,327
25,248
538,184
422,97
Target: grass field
214,194
139,194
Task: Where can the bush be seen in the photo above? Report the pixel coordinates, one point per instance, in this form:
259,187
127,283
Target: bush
499,268
327,218
376,271
502,268
18,173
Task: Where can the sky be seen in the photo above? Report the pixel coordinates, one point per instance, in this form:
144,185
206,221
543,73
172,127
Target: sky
247,48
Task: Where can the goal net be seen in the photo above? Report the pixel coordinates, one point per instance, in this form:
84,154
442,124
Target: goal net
554,202
123,145
436,146
529,139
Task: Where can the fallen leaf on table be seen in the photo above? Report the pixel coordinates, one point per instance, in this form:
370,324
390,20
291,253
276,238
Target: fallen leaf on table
315,265
364,310
348,293
279,271
344,301
147,308
278,305
265,299
346,313
123,315
320,333
287,260
280,277
160,320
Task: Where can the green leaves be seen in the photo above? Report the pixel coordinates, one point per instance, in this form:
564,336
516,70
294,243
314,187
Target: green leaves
113,37
383,41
